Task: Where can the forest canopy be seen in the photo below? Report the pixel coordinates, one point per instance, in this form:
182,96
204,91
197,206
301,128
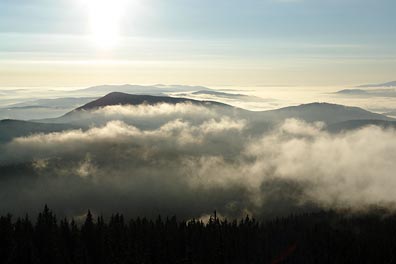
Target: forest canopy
322,237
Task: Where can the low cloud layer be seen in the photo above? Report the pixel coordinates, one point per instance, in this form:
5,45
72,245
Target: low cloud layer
190,167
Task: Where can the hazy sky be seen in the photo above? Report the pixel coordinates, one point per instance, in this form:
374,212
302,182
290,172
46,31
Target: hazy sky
205,42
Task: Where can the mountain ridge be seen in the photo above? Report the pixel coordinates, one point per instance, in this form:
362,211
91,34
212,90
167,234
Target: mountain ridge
387,84
337,117
119,98
317,111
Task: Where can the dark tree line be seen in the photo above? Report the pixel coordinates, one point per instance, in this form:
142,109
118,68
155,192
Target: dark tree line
323,237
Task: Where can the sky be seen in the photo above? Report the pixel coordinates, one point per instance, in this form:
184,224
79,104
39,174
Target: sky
206,42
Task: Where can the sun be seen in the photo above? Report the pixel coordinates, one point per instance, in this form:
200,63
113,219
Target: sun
105,17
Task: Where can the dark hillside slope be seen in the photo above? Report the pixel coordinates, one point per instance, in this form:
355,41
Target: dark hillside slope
10,129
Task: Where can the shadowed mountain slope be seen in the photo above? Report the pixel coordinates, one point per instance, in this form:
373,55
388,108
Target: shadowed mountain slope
10,129
356,124
328,113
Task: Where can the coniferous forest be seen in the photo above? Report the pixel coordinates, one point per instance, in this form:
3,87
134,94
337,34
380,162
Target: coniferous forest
321,237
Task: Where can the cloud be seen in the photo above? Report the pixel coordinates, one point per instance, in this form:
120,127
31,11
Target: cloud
190,168
174,134
349,170
147,116
151,111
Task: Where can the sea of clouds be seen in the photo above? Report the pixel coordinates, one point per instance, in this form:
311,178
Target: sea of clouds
197,161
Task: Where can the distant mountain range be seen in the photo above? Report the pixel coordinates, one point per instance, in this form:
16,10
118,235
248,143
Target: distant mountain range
42,108
231,96
352,92
329,113
388,84
371,90
53,103
337,117
220,94
158,89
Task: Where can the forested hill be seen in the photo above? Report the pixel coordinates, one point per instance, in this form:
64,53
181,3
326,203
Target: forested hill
324,237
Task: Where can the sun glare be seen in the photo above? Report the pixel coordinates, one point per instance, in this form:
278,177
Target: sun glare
105,21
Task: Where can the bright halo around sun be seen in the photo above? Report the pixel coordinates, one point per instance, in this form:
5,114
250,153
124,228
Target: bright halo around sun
105,17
